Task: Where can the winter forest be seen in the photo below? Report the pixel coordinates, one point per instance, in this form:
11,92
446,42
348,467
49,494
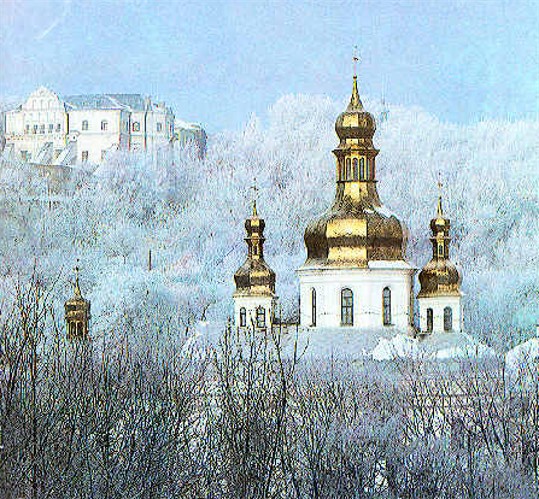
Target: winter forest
157,406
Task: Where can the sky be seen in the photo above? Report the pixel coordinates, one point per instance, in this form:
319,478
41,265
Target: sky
217,62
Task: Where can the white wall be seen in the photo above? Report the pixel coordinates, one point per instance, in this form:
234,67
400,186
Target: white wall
438,304
367,286
251,303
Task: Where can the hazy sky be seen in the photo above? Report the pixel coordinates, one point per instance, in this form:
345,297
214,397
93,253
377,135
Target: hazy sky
218,61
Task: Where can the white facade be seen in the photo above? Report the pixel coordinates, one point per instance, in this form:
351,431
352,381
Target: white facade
446,313
367,286
47,129
247,314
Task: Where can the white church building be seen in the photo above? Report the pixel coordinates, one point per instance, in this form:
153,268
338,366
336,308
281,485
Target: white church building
356,276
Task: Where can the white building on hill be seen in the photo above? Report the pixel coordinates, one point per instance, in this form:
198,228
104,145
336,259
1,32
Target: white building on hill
49,129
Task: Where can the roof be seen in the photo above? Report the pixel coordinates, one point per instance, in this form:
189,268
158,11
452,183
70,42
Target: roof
131,102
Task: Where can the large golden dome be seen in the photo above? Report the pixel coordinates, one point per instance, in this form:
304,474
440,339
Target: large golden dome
357,228
440,276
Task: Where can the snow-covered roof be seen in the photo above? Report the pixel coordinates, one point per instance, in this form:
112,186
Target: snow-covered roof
133,102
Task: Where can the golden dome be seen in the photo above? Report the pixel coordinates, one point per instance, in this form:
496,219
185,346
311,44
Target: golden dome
355,122
357,228
255,277
440,276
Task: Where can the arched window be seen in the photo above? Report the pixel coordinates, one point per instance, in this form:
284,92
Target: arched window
387,306
368,170
440,250
448,319
429,320
347,307
354,163
313,307
243,317
373,173
136,126
347,173
260,317
362,169
85,125
104,125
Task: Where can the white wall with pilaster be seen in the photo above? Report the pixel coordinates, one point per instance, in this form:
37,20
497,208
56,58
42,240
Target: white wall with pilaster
367,285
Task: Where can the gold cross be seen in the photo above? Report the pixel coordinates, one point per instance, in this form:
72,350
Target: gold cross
355,59
255,196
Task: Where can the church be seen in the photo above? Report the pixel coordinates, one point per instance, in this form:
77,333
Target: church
356,275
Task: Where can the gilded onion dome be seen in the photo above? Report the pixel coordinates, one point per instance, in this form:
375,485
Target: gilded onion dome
255,277
440,276
77,312
357,228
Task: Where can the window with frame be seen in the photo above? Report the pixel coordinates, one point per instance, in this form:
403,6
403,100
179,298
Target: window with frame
85,125
136,126
84,156
430,320
103,154
362,169
260,317
386,301
104,125
34,129
448,319
27,129
58,127
159,126
368,169
348,169
243,317
347,307
313,307
51,128
42,128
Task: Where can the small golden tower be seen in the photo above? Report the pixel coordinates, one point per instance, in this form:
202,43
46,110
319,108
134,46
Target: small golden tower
440,296
77,313
255,297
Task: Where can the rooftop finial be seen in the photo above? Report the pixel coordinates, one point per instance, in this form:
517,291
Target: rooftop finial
355,101
440,185
255,195
78,292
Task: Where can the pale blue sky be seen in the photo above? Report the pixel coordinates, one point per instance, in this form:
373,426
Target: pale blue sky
218,61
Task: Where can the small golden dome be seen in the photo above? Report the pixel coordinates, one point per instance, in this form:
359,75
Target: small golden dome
355,122
255,277
440,276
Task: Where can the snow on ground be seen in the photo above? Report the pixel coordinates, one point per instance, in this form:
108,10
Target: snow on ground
353,345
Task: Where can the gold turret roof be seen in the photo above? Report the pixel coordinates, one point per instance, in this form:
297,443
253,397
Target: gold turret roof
255,277
440,276
357,228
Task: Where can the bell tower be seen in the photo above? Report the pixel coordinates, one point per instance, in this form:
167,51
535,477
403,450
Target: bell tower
440,297
254,298
77,313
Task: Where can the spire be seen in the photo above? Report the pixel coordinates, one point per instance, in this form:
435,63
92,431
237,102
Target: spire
255,195
355,101
78,292
440,211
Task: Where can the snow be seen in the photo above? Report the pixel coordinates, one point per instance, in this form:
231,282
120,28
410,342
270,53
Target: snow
389,264
386,212
383,345
523,354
